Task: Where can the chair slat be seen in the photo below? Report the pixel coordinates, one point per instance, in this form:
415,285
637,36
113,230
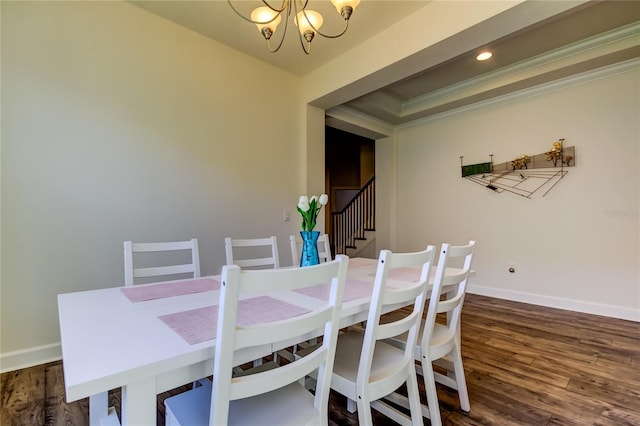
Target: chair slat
133,270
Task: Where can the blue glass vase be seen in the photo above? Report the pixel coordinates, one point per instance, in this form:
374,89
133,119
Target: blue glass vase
309,248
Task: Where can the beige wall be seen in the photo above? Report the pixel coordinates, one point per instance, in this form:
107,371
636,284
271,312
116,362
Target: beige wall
577,247
120,125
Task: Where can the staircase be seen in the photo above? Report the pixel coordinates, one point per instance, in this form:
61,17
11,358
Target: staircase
353,228
364,247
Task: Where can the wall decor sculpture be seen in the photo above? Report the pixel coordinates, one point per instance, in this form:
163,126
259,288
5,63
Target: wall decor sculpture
526,175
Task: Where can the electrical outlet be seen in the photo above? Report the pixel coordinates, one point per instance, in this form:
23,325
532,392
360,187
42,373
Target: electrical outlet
286,216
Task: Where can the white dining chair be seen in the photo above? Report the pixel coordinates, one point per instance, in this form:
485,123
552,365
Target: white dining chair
254,253
273,397
324,253
188,249
132,271
439,343
324,248
367,368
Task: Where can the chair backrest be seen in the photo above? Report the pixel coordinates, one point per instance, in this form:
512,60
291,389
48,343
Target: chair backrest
448,292
254,250
390,294
324,317
131,248
324,249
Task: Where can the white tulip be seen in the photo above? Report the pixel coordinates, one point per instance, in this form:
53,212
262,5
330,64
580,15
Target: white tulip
303,203
324,199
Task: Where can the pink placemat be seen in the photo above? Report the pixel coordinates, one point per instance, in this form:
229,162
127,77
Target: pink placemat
353,289
199,325
403,274
176,288
357,262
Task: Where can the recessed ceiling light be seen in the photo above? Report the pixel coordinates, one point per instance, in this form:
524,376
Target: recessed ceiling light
483,56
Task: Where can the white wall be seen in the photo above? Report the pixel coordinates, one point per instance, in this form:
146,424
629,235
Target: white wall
120,125
575,248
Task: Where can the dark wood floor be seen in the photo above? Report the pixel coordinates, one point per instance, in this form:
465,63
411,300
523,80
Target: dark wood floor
525,365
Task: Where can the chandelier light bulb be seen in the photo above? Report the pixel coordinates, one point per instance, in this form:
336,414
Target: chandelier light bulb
308,22
345,7
266,20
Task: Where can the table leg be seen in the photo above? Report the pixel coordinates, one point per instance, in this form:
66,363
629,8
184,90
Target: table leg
98,408
139,403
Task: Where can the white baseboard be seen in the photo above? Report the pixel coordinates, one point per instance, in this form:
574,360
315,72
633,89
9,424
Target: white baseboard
10,361
557,302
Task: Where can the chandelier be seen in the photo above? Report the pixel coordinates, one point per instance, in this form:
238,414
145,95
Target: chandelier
268,17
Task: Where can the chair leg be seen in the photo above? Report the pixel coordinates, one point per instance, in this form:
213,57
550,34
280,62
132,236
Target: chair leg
98,408
414,399
351,406
461,381
432,394
364,412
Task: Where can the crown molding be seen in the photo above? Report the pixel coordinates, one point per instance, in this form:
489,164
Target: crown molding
584,77
577,53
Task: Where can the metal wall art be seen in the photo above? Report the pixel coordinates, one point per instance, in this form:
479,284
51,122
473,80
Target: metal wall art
526,175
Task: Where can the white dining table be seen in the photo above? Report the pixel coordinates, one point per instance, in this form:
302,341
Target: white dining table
111,339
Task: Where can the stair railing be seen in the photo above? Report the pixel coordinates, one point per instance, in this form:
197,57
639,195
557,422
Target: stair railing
350,224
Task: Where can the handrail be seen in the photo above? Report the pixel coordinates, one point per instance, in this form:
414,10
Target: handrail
350,223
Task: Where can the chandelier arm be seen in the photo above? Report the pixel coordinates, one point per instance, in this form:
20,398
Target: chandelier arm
346,27
304,43
295,6
285,5
284,33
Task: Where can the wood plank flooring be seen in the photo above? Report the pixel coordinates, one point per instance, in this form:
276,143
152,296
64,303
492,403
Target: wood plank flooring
525,365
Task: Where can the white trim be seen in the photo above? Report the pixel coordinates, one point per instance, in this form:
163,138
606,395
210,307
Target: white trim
376,128
611,311
563,83
16,360
345,114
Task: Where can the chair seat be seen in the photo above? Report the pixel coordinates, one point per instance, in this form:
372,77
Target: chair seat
291,405
441,341
386,362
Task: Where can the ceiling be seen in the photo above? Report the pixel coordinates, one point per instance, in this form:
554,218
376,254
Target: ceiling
589,36
216,20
